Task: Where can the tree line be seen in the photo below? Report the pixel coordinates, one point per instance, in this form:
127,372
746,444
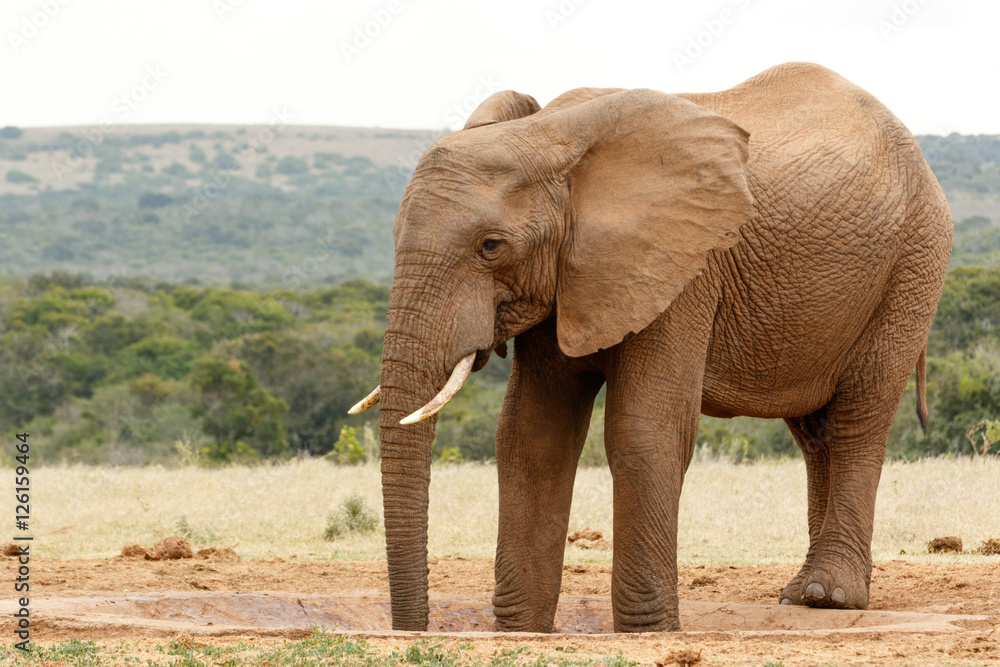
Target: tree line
138,371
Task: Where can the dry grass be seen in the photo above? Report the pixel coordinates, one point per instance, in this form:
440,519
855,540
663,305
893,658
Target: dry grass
750,513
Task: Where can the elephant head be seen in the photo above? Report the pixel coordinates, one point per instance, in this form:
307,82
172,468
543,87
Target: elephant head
597,209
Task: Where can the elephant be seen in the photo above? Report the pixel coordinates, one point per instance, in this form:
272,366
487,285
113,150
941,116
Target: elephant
774,250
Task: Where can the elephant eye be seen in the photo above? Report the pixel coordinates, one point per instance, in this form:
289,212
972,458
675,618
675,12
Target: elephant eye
489,247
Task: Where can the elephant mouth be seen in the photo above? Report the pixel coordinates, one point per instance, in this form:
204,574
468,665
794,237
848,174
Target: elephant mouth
482,356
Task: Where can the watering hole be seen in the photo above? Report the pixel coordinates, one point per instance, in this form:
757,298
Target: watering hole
264,613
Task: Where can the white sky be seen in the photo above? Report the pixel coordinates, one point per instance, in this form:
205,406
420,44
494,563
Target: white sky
935,63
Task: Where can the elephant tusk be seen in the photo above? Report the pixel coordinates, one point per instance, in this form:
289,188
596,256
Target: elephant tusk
455,382
368,402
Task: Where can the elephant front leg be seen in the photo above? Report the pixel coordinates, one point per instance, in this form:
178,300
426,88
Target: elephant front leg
648,463
540,434
651,424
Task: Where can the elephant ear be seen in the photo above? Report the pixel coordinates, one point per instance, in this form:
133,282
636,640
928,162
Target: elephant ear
498,107
577,96
656,183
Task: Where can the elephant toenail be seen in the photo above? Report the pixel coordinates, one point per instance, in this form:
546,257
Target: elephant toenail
815,591
785,601
838,596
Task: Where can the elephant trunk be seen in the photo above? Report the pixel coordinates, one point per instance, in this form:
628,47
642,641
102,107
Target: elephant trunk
411,376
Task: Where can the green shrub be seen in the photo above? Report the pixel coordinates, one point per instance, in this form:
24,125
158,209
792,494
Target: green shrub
353,516
292,165
449,455
348,450
15,176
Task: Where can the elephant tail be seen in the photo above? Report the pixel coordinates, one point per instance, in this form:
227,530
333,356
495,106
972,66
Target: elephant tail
922,389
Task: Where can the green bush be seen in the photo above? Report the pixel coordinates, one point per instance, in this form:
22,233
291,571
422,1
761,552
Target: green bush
196,154
178,170
292,165
15,176
236,411
348,450
353,516
154,200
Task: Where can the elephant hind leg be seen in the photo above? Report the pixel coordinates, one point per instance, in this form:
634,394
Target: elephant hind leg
809,432
844,458
844,447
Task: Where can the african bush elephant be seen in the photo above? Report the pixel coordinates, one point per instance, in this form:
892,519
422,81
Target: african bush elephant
773,250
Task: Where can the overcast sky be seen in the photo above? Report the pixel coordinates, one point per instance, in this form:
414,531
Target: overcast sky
425,63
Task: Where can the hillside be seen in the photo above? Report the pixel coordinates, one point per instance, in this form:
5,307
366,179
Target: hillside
283,205
208,204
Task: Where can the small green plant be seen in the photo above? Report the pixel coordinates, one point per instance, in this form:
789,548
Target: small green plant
348,450
449,455
353,516
183,527
425,653
983,435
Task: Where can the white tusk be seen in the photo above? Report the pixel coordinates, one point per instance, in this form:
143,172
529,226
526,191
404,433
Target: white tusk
368,402
455,382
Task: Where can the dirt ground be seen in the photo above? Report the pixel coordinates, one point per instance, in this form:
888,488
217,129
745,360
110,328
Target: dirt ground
897,586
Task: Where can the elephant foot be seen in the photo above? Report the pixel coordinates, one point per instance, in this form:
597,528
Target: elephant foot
821,584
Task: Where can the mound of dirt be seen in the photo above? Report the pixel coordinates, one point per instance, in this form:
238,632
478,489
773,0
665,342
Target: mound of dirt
990,547
684,657
703,581
136,551
218,553
172,548
945,544
589,538
11,549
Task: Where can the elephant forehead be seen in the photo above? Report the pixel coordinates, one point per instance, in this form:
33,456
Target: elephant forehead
450,210
486,151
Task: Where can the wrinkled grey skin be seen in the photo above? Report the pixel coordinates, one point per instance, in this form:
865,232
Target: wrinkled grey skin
774,250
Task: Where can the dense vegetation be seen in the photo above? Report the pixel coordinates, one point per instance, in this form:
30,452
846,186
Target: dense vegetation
137,372
182,295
